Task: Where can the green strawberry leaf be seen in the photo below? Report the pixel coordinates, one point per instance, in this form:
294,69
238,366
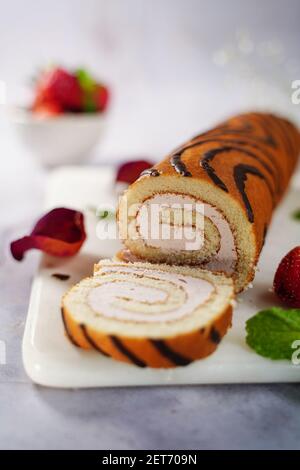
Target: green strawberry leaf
272,332
89,105
296,214
85,80
88,86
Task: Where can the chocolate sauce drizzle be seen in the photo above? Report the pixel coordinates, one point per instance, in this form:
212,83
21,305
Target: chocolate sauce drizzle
215,336
267,139
150,172
235,145
178,165
176,358
224,128
211,171
91,341
211,154
246,136
67,329
240,177
264,235
285,136
263,121
129,354
61,277
250,154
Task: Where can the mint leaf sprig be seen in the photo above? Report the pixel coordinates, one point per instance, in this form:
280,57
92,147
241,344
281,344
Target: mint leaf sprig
105,214
272,332
102,212
296,215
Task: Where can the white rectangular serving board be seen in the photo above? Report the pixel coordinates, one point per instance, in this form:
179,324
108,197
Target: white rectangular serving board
51,360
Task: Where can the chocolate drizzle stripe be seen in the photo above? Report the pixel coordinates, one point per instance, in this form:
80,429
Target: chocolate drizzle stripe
126,352
176,358
91,341
215,336
67,329
211,171
211,154
217,132
268,137
264,125
236,147
285,136
150,172
255,146
264,235
273,126
277,126
178,165
244,151
240,173
246,128
258,132
61,277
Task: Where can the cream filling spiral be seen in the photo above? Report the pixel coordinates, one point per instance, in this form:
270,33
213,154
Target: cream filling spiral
144,295
186,232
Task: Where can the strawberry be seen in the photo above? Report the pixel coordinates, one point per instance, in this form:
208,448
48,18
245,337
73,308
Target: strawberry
47,108
287,279
95,95
61,87
101,97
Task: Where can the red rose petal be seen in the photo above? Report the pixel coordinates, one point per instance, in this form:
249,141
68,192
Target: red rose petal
130,171
59,233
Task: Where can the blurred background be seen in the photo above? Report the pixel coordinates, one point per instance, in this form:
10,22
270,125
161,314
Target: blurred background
173,67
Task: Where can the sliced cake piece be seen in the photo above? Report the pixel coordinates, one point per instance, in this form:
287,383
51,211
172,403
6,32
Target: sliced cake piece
147,314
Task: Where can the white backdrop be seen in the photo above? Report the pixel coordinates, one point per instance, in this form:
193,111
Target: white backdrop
174,66
157,55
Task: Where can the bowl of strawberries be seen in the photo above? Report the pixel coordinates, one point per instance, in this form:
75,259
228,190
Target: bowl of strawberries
66,118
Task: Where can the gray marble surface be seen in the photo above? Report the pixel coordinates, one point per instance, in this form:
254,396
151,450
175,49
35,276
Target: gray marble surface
224,417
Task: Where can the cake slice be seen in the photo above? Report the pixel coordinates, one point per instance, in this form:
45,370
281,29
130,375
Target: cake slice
148,314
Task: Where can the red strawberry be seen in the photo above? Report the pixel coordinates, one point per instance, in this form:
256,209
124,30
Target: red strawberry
60,86
101,97
287,279
47,108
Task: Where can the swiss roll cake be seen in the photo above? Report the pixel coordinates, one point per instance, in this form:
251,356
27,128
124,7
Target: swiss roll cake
210,201
149,315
